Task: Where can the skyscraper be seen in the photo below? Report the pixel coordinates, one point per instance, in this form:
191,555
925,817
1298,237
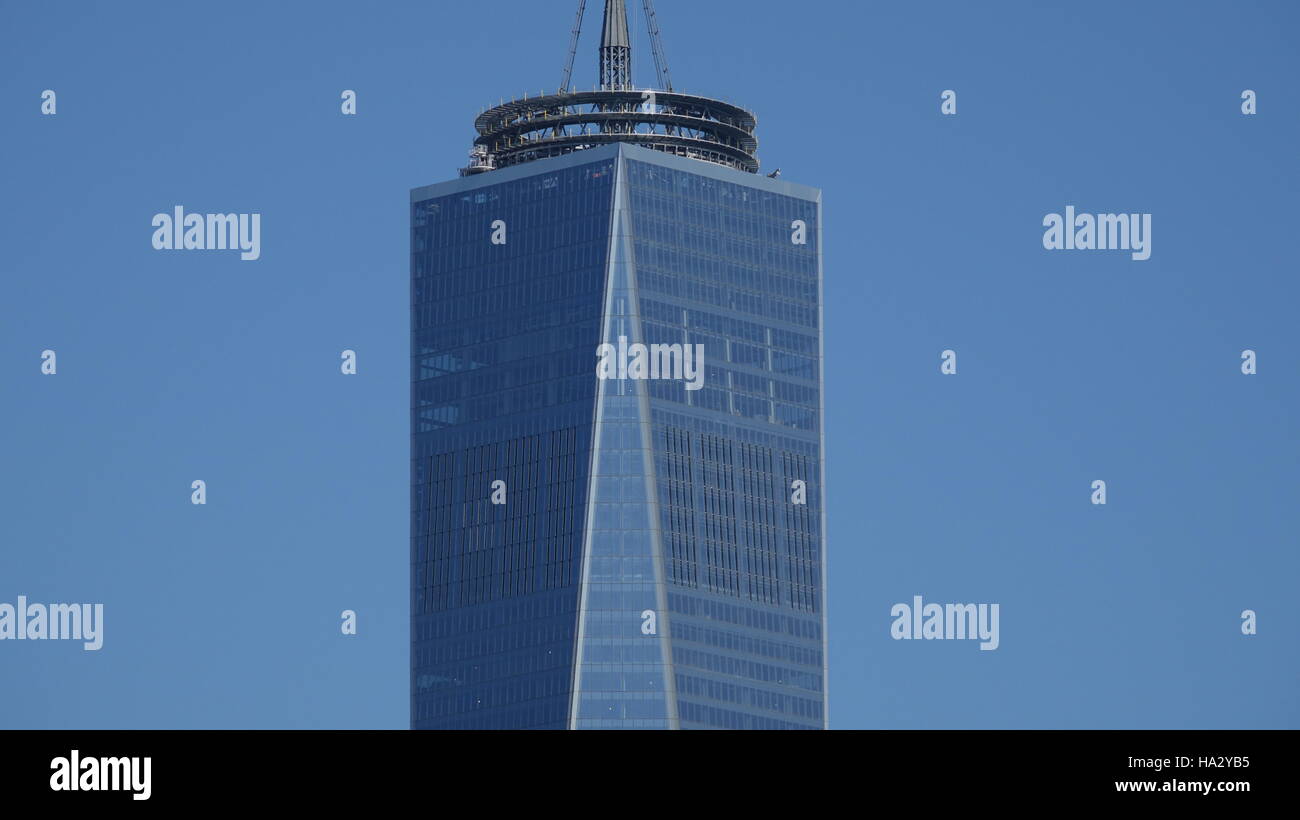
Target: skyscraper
602,535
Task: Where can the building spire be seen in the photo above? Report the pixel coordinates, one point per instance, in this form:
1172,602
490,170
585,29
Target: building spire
615,48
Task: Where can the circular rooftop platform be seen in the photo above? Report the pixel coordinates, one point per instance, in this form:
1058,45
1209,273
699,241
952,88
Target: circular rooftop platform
554,124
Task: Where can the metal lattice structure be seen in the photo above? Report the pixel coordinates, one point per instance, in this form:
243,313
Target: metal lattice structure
551,125
656,46
573,46
615,48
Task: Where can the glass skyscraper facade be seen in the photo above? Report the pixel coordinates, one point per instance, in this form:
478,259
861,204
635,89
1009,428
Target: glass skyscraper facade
595,552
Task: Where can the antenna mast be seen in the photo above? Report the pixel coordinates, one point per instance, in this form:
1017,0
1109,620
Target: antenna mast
615,49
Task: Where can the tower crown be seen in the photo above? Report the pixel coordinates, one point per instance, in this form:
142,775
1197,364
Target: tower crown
550,125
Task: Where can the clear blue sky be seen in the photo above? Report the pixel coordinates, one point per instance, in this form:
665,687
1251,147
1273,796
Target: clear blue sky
1073,366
